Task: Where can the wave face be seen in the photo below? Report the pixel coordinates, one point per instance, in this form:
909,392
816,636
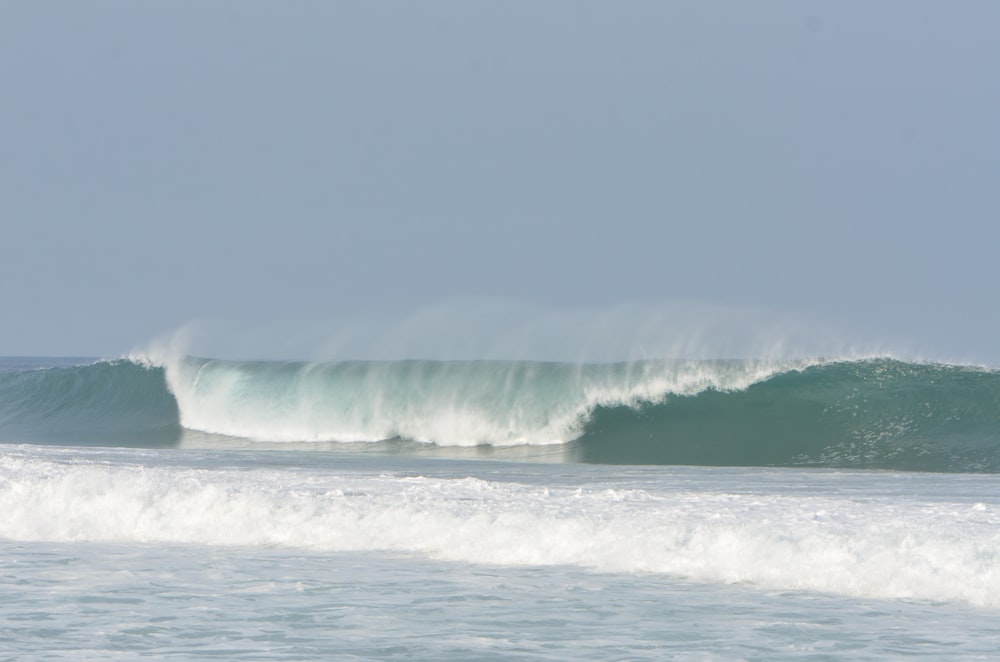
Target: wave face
873,413
104,403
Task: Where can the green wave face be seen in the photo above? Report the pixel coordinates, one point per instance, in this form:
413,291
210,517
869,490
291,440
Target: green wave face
874,414
868,414
111,403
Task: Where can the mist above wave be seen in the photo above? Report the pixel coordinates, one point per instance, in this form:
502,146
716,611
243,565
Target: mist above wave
489,329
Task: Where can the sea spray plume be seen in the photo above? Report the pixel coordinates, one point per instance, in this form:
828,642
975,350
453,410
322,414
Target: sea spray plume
490,329
478,329
169,347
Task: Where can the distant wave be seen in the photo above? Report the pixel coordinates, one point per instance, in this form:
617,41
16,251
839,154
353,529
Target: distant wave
875,413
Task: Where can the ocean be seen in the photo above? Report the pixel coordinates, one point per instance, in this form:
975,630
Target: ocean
193,508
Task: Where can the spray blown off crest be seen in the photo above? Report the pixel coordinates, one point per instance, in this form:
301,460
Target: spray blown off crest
497,330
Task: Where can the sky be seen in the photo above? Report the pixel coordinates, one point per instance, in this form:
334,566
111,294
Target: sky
312,171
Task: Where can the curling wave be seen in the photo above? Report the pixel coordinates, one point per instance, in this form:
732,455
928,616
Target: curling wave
873,413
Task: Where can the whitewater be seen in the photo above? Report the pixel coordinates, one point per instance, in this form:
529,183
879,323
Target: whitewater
665,509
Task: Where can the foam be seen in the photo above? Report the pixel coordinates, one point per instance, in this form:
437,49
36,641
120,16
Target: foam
851,546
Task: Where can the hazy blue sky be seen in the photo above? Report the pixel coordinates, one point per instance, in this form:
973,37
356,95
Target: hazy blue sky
318,163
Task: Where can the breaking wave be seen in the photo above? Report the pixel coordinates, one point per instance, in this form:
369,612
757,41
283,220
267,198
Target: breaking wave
878,413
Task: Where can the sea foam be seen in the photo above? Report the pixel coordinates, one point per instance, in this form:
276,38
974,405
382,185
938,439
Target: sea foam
775,539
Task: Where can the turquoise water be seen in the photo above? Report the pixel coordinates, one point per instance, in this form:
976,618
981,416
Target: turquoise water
137,521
